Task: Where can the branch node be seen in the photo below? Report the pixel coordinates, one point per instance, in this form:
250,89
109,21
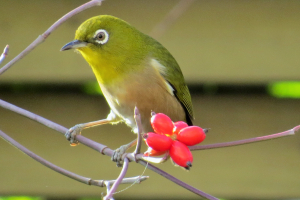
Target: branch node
89,182
102,151
45,35
135,158
125,156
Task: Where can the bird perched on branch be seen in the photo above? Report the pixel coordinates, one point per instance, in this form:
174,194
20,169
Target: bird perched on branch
132,69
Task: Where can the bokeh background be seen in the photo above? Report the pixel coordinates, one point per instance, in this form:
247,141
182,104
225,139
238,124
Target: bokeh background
239,58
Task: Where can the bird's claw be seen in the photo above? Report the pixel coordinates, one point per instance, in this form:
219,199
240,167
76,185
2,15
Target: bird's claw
72,133
118,155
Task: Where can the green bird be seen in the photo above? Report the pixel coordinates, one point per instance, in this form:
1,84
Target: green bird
133,70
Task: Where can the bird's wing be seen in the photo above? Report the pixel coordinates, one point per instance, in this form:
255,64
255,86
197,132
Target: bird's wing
170,71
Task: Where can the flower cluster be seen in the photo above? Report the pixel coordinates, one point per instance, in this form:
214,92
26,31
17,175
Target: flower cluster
173,137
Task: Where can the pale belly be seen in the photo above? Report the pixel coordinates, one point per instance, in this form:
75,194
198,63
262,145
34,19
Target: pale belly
148,94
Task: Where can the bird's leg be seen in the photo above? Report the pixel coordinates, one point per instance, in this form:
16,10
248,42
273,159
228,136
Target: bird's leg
76,130
119,152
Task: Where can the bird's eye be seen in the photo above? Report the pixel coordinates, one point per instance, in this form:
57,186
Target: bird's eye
101,36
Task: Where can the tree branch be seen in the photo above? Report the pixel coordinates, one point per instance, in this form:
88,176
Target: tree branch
246,141
33,116
135,179
177,181
118,181
138,122
43,37
85,180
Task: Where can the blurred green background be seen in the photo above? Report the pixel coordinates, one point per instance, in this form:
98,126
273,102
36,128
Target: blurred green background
234,56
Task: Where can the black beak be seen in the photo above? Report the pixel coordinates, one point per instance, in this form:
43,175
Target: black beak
75,44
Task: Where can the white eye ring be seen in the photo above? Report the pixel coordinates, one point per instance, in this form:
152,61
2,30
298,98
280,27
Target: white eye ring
101,36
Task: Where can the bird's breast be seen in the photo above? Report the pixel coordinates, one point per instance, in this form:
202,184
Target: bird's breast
146,90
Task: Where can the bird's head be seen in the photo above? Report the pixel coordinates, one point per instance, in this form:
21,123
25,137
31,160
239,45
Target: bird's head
107,40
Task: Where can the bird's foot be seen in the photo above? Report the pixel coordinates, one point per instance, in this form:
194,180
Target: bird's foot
71,134
118,155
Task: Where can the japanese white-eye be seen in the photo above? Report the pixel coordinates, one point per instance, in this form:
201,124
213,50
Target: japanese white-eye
132,69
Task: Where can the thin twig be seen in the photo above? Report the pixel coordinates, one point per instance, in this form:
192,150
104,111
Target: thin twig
157,159
170,18
43,37
4,54
85,180
135,179
138,122
118,181
46,163
246,141
108,187
33,116
177,181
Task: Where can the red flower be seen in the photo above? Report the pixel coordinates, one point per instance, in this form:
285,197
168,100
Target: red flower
173,137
